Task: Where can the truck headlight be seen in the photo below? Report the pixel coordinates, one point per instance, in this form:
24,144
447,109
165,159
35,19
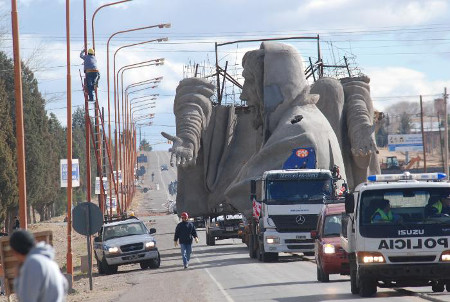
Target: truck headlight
150,245
445,256
328,248
370,257
273,240
113,250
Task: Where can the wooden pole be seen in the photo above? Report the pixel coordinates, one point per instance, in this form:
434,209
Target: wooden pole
446,133
20,132
69,148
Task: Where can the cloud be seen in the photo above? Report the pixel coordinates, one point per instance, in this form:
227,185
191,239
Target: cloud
402,84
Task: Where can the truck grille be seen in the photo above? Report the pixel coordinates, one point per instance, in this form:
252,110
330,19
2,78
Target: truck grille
299,241
288,223
131,247
412,258
301,246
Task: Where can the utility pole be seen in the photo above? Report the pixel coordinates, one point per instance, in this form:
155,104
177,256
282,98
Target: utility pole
446,133
69,151
423,138
20,132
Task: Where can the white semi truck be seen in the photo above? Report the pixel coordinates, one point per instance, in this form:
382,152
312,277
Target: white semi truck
290,201
396,233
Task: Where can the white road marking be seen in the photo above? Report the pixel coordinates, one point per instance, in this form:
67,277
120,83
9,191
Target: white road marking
222,290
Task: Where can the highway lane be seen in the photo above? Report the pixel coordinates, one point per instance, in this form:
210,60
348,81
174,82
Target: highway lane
226,273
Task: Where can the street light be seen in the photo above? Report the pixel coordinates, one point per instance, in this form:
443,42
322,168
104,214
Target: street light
164,25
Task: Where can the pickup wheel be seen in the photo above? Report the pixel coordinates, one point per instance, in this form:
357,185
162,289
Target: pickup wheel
367,287
108,269
100,268
144,264
353,281
438,287
155,263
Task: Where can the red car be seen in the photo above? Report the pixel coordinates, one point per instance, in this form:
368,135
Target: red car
330,257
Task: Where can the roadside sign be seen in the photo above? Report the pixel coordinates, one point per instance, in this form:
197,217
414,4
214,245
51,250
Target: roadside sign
110,201
75,173
87,220
97,185
405,142
120,176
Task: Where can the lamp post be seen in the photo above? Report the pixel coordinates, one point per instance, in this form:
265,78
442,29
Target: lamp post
20,132
164,25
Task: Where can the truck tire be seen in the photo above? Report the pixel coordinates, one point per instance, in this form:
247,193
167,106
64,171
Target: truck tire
155,263
251,247
367,287
212,240
266,257
144,264
100,268
447,287
353,281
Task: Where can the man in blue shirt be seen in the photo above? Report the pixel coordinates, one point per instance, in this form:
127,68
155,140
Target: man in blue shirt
184,233
91,71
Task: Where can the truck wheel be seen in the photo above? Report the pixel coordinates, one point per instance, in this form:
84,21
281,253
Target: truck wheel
367,287
438,287
108,269
447,287
155,263
353,282
251,247
267,257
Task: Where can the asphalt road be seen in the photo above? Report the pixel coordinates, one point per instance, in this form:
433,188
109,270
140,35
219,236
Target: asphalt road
226,273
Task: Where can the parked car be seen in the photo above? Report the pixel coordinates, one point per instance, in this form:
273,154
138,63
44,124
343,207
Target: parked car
330,257
164,167
124,242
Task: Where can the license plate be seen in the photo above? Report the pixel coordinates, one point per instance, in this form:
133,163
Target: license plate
300,237
229,229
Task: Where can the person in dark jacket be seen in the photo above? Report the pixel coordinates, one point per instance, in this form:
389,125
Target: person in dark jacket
184,233
91,71
39,278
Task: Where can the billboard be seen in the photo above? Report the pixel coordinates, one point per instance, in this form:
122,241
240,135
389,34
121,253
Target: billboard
75,173
405,142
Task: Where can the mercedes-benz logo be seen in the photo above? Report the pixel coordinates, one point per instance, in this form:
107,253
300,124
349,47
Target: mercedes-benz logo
300,219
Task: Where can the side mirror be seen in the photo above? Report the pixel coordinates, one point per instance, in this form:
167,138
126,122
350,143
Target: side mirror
349,203
152,231
314,234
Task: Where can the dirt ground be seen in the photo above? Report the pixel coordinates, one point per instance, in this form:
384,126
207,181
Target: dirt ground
105,288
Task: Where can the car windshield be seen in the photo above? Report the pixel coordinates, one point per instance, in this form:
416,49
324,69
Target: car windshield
332,226
298,191
121,230
407,206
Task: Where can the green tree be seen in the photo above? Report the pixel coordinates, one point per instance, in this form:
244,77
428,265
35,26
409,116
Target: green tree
405,123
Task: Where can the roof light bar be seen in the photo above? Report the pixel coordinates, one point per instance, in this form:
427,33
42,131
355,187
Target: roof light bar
407,176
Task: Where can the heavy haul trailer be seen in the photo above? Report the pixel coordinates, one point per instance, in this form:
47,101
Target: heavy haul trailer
396,233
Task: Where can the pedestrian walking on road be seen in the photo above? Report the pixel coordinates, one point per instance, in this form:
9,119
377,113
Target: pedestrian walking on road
184,233
39,278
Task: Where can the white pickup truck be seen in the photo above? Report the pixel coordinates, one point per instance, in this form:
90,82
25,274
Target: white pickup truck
394,237
125,242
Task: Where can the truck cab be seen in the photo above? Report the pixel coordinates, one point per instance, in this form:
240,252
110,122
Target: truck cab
391,237
290,203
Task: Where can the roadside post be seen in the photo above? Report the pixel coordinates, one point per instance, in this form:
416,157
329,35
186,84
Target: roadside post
87,220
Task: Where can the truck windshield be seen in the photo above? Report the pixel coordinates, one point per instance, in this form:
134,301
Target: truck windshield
404,208
298,191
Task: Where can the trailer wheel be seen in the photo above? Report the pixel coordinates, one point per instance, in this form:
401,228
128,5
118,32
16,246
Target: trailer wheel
367,287
438,287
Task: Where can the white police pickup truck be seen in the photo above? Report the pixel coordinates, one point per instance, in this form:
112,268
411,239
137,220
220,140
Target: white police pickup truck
125,242
393,237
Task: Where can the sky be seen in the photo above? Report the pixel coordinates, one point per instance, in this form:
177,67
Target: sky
402,45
